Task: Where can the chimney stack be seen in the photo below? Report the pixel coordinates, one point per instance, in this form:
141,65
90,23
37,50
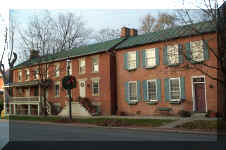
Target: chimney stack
133,32
34,53
126,32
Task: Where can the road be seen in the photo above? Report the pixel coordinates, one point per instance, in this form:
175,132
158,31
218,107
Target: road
24,131
4,133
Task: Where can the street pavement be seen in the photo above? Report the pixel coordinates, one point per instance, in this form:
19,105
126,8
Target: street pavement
34,131
4,133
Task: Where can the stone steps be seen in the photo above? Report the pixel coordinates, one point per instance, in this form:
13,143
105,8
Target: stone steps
77,110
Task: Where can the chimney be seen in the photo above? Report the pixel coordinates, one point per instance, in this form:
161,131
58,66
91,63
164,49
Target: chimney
34,53
124,32
133,32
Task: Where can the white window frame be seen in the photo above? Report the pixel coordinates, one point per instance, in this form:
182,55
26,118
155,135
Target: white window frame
95,63
155,90
57,70
19,75
27,72
129,61
57,83
98,81
174,47
82,59
179,89
192,51
152,57
129,91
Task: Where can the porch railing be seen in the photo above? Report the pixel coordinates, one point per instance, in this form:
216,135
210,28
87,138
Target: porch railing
26,99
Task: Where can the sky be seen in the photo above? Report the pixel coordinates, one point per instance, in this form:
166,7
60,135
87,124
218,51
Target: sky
96,14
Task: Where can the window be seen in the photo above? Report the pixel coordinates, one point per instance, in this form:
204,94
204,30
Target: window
82,65
131,60
174,88
36,74
95,65
152,90
57,70
27,74
132,90
57,89
197,51
173,54
19,75
150,57
95,87
70,70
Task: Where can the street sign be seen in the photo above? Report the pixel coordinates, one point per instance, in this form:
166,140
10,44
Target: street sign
69,82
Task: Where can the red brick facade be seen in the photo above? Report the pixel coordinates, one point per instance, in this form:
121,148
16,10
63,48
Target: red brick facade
161,72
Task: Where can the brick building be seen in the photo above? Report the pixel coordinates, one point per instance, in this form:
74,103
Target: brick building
134,74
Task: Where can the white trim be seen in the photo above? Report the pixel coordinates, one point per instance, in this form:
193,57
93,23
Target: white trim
56,83
129,92
154,80
150,49
179,89
98,94
79,64
193,92
129,53
28,71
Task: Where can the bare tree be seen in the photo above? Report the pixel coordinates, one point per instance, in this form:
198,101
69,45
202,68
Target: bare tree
147,23
161,22
107,34
165,21
216,15
49,34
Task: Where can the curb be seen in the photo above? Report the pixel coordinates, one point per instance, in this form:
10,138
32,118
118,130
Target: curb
154,129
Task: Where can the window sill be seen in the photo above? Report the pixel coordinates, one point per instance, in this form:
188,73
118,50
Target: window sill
132,69
173,65
150,67
134,102
175,101
152,102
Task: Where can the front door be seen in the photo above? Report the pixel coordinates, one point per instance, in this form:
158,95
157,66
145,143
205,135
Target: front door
82,88
200,105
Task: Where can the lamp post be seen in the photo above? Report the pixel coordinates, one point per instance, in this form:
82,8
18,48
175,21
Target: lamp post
69,90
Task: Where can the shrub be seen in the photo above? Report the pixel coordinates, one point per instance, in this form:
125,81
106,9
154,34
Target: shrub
211,113
85,102
184,113
122,113
1,105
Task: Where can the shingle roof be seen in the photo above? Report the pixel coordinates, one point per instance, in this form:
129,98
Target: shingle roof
75,52
172,33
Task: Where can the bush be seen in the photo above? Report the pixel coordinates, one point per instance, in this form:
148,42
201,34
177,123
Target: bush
183,113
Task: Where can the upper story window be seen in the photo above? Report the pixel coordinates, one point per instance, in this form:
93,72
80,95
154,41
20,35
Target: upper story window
197,51
27,74
173,54
57,70
131,60
82,66
19,75
95,64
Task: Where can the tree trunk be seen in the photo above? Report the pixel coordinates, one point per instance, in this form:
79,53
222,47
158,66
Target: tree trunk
44,100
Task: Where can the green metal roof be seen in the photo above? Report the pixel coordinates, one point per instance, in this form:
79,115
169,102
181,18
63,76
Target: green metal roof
168,34
75,52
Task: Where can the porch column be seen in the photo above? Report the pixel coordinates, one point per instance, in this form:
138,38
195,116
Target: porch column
39,92
29,109
10,110
14,106
38,110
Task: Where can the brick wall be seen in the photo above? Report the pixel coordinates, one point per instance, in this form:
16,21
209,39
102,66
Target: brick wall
162,72
105,97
